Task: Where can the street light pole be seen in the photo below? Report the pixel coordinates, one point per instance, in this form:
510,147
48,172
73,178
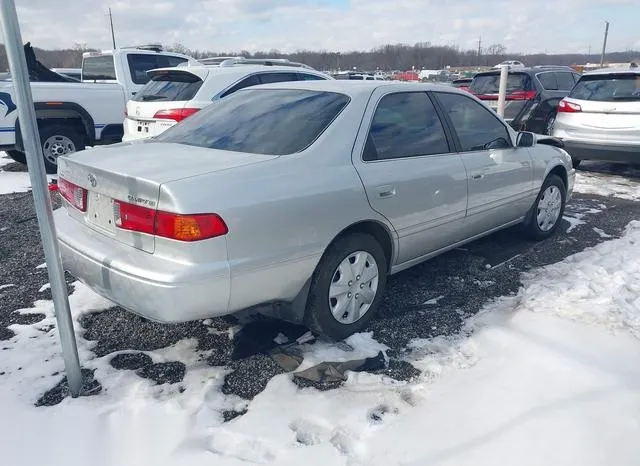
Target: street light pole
604,43
113,35
41,199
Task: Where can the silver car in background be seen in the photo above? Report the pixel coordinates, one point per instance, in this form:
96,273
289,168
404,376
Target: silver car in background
301,198
600,119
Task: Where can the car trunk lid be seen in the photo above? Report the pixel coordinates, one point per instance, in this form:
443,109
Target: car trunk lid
133,173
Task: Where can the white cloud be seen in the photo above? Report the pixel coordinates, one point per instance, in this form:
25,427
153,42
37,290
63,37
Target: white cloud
523,25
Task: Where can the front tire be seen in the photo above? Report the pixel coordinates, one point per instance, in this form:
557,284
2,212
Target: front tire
58,140
347,287
546,214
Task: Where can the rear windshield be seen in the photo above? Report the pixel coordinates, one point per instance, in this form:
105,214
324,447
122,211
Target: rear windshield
490,83
266,121
139,64
169,86
607,88
98,68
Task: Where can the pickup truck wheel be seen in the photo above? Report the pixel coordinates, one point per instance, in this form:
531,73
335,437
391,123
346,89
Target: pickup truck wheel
347,287
575,162
546,214
18,156
58,140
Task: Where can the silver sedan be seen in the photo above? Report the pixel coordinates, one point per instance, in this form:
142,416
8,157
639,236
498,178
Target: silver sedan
300,199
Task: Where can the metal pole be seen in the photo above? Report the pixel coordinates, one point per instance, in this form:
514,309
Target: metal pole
44,212
502,90
113,36
604,43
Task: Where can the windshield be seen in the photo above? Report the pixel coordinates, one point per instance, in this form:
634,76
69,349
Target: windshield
98,68
490,83
271,122
169,86
607,88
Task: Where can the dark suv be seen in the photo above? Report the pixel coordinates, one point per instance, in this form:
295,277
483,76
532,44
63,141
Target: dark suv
532,94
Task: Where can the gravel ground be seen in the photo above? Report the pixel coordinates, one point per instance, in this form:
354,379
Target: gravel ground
428,300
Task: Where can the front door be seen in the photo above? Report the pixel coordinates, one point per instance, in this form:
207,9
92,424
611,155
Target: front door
409,172
500,176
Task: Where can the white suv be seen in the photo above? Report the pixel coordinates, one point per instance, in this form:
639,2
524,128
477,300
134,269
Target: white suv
173,94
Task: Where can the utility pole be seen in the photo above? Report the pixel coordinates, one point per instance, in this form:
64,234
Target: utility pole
589,52
604,43
113,36
479,49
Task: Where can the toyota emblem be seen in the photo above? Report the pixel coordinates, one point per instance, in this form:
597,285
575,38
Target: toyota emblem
92,180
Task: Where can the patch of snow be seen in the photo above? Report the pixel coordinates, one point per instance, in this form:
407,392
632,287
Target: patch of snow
42,266
16,182
601,233
607,185
281,339
573,222
9,285
44,287
432,301
5,159
552,372
484,283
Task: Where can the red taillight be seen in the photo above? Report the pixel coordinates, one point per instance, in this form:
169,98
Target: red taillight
568,107
176,114
194,227
74,194
521,95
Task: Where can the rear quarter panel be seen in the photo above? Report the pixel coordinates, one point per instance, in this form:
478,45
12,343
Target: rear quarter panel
545,159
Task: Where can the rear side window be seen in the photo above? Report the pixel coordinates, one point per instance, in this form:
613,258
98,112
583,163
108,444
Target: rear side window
246,82
477,127
139,64
490,83
260,121
98,68
268,78
169,86
607,88
309,77
565,81
405,125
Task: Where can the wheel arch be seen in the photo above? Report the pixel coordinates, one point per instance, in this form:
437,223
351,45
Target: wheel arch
60,111
378,230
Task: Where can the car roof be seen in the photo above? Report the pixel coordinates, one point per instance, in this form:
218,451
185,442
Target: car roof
354,88
605,71
238,69
530,70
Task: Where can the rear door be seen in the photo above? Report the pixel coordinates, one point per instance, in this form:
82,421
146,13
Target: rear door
520,92
409,172
500,176
608,109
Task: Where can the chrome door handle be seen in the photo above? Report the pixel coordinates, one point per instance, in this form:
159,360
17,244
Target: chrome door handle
386,191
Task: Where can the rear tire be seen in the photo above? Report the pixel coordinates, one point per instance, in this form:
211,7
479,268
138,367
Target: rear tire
575,162
18,156
546,213
59,140
349,283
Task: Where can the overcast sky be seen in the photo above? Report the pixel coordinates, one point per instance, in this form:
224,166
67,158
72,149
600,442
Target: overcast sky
534,26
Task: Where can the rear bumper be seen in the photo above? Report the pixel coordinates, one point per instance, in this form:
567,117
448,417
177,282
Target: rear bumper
602,151
153,287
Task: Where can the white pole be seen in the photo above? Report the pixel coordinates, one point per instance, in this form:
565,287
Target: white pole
502,91
44,212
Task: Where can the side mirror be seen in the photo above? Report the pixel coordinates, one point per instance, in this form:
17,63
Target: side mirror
525,139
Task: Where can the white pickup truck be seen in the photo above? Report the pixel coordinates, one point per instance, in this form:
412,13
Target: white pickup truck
73,115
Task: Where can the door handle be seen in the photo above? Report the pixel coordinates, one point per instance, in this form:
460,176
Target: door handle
477,176
386,191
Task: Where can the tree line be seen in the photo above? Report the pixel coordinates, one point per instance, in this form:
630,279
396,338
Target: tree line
422,55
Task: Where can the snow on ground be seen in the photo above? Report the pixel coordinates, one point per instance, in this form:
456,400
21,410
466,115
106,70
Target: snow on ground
14,182
620,185
548,376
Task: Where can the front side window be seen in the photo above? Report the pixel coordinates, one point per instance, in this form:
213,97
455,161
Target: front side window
405,125
260,121
477,127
